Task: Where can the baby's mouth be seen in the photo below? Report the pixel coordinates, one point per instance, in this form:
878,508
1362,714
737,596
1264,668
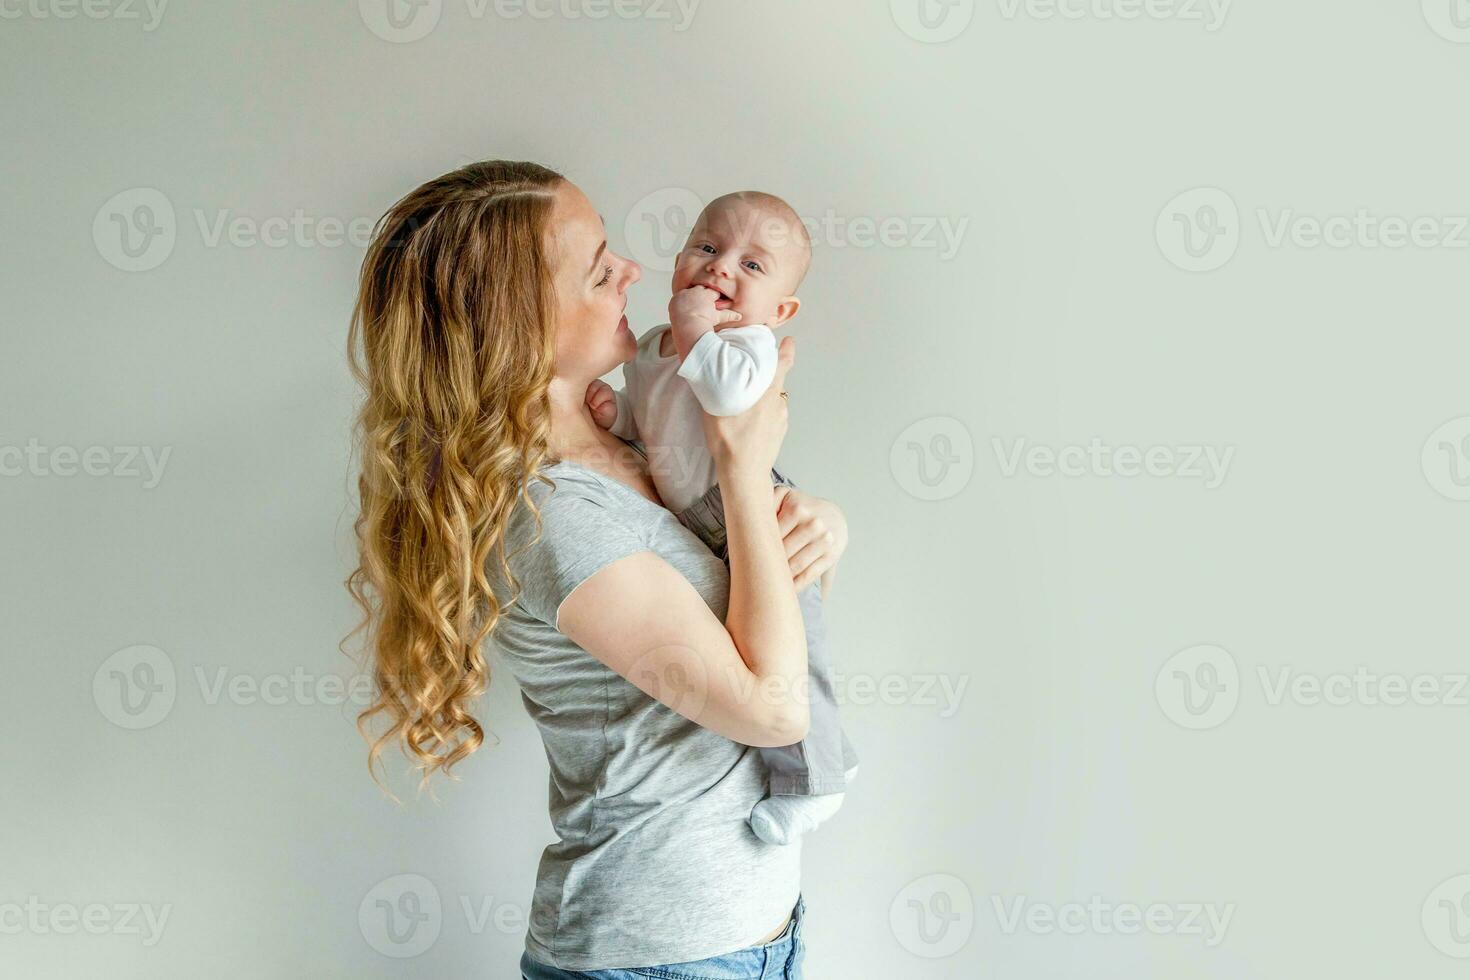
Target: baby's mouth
724,302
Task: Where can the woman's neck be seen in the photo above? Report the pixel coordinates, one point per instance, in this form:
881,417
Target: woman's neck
576,438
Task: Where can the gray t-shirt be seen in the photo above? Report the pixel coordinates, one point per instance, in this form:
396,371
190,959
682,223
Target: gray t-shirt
655,863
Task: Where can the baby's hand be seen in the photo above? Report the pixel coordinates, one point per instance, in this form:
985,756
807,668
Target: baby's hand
692,312
602,403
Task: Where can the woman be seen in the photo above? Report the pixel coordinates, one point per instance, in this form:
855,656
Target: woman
491,502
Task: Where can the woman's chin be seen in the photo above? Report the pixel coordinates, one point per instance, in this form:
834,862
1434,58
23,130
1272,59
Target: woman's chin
625,334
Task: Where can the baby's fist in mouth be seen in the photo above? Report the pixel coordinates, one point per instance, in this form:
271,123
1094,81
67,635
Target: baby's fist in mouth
694,310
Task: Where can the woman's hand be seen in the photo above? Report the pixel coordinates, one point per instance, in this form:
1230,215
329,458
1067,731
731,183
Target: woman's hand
747,444
814,531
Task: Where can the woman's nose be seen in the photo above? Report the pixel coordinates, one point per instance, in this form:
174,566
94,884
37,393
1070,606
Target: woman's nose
635,272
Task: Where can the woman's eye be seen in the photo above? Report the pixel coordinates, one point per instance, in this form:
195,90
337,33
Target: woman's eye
606,275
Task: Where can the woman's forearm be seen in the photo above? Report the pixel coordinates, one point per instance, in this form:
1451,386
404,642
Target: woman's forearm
764,618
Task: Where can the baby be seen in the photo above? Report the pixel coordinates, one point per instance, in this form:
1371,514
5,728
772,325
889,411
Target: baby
734,283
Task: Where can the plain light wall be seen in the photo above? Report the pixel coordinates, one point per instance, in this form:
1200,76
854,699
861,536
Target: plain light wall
1130,266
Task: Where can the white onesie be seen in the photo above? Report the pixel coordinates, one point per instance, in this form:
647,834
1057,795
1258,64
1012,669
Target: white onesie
726,372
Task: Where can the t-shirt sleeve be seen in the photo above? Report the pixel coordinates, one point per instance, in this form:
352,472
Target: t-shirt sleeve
580,536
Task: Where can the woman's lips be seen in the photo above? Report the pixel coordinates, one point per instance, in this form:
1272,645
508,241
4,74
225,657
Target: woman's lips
623,323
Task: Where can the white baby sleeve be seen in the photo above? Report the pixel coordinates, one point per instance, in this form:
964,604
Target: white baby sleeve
730,369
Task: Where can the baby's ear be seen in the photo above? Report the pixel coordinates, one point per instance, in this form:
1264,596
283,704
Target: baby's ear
785,310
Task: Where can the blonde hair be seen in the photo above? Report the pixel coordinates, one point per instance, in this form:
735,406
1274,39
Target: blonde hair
452,342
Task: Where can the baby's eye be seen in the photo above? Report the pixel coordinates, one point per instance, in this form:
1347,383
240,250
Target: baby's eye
753,265
706,248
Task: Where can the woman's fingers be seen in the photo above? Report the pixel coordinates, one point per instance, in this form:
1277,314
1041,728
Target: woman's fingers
810,544
806,555
797,542
812,572
813,531
789,509
805,534
795,514
799,522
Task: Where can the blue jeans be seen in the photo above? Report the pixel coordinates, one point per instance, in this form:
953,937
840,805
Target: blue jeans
779,959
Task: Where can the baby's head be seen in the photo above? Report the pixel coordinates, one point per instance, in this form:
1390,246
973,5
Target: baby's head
753,249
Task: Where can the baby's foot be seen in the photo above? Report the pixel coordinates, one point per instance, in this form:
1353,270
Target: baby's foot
784,819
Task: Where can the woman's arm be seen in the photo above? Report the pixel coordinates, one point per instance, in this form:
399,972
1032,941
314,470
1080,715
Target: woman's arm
764,618
743,678
644,620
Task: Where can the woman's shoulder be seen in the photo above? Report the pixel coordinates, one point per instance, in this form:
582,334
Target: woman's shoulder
574,480
572,499
561,502
565,479
568,526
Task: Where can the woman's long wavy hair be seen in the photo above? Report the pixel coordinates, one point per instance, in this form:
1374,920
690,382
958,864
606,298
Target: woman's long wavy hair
452,342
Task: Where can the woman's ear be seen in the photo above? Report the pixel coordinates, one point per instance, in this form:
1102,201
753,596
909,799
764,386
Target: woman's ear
785,310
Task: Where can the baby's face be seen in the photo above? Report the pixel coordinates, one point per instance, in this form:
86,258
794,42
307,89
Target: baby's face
749,256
